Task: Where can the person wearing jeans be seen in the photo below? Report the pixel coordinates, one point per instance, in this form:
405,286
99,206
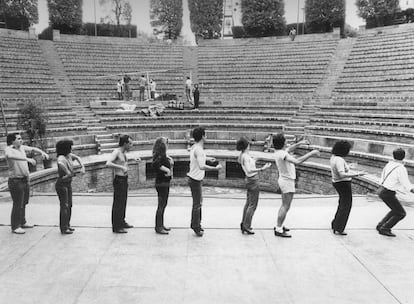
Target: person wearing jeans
196,174
341,180
63,184
162,164
394,177
19,187
248,164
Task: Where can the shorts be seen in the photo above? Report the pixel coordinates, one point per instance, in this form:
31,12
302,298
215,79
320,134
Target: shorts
286,185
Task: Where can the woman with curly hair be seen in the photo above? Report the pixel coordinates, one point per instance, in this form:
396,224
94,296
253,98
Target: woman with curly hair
63,185
341,179
163,165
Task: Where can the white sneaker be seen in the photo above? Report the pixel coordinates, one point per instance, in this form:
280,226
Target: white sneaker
19,231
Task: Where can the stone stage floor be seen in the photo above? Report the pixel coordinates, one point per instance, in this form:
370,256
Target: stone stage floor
96,266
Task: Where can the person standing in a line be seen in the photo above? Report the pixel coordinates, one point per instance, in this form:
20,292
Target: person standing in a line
196,175
341,180
196,95
63,185
188,86
248,164
18,181
394,177
118,161
287,175
163,165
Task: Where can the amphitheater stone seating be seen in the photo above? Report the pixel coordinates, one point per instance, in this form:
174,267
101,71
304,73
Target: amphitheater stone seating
381,63
260,69
84,62
24,71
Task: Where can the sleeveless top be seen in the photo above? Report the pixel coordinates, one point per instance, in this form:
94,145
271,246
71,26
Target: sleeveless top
195,171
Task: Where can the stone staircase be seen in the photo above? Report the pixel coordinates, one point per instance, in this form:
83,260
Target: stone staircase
56,67
106,143
296,125
323,92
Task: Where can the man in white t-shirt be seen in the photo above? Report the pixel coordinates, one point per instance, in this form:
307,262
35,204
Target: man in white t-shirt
394,177
196,174
286,166
18,182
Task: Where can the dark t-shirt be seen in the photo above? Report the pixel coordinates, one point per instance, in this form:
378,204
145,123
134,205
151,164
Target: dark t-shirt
160,177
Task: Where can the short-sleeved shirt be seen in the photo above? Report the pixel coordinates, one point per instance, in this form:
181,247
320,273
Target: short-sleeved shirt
153,85
64,163
286,169
160,177
188,84
248,163
17,168
338,164
195,171
142,82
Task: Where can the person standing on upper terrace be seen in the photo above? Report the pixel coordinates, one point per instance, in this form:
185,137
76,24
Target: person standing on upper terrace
196,95
196,175
127,90
292,34
118,161
18,182
341,179
287,175
394,177
188,86
142,82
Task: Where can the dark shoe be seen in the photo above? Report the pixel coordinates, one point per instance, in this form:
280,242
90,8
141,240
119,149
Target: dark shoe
247,231
241,227
378,227
161,231
199,232
71,229
120,231
127,226
67,232
281,234
339,232
386,232
166,228
285,229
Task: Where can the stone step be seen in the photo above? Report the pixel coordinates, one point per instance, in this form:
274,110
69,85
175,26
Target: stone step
105,141
97,128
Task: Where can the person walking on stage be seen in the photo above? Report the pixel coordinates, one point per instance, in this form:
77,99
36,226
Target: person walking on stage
248,164
341,180
118,161
15,154
394,177
63,184
287,175
163,165
196,174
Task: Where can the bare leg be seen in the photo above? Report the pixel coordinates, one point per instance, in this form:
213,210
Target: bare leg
286,202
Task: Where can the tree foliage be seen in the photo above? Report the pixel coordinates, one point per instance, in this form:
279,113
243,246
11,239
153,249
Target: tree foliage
167,17
65,15
20,14
377,8
263,18
206,18
121,9
324,15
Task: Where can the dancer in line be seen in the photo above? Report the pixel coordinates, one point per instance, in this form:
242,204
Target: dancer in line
394,177
63,184
248,164
163,165
18,182
118,161
195,177
286,166
341,179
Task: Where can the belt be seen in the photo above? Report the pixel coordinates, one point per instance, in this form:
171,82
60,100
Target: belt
19,178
